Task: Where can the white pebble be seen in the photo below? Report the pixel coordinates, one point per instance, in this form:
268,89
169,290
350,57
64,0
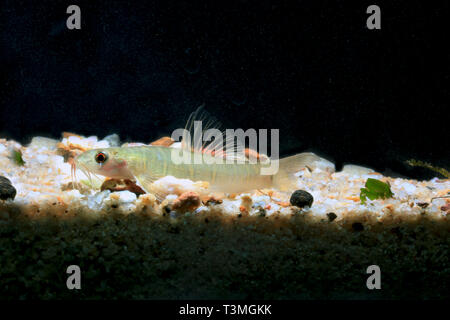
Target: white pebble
127,196
95,201
42,158
355,170
409,188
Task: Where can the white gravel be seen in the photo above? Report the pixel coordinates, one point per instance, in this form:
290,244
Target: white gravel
45,176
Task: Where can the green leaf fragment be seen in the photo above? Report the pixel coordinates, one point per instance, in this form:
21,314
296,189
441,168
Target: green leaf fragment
17,157
375,189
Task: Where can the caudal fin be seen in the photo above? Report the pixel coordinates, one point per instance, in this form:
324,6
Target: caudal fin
285,179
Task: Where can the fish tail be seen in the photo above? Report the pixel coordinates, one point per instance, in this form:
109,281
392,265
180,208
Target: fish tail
285,179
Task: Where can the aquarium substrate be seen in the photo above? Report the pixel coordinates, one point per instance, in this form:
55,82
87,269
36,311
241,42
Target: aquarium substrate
252,245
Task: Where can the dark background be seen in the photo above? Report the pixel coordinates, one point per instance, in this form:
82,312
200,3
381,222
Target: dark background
310,68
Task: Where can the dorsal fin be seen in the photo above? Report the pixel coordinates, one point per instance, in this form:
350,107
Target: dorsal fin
221,146
192,142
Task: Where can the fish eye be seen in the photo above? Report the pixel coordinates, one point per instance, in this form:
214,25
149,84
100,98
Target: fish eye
101,157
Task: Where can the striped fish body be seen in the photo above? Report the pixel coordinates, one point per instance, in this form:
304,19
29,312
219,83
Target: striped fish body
149,163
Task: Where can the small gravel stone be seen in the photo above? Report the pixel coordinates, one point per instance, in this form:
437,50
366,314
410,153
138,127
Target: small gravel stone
7,191
42,142
301,198
331,216
357,226
127,196
352,169
188,201
113,140
423,205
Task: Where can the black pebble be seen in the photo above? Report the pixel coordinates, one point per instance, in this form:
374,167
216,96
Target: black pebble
7,191
167,209
357,226
4,180
331,216
301,198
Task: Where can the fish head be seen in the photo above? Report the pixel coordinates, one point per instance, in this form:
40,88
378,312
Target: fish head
108,162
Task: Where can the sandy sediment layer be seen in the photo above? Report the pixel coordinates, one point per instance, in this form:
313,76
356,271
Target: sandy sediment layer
210,256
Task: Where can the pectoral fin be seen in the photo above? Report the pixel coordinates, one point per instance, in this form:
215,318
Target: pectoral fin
145,181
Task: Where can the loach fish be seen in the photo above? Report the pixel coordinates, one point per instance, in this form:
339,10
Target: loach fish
146,164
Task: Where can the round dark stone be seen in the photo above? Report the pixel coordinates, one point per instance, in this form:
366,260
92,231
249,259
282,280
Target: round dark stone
301,198
7,191
4,180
